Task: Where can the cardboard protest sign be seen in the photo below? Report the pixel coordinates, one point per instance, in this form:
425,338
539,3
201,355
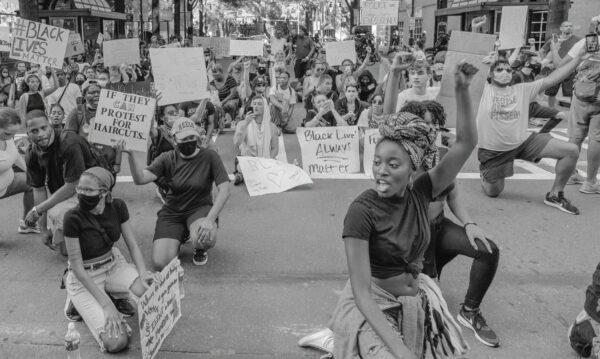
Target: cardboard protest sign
122,115
370,141
38,43
218,45
4,38
266,175
329,152
276,45
246,48
121,52
143,88
179,74
75,46
159,309
471,47
379,12
338,51
513,27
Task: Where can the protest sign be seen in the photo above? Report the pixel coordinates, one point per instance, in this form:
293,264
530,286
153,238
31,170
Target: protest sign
100,39
75,46
159,309
179,74
471,47
380,12
370,141
123,115
276,45
329,152
121,52
4,38
338,51
246,48
38,43
218,45
266,175
513,27
143,88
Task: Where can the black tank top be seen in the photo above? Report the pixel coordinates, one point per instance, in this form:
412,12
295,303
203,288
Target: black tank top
35,102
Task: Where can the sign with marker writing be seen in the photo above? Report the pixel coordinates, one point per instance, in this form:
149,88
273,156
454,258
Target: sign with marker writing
266,175
4,38
371,137
513,27
338,51
123,115
179,74
218,45
159,309
75,46
329,152
38,43
121,52
246,48
379,12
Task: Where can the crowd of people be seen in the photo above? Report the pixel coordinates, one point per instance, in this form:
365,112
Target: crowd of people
397,235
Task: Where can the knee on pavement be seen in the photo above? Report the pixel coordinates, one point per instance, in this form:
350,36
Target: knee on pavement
115,345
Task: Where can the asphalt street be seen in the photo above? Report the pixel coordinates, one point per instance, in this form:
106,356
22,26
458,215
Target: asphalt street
279,265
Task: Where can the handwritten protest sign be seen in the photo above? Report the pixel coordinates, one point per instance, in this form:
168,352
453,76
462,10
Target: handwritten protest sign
338,51
246,48
266,175
276,45
38,43
472,48
370,141
513,26
119,52
179,74
218,45
329,152
159,309
75,46
122,115
380,12
4,38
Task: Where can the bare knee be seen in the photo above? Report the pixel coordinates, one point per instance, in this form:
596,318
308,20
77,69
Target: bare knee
572,150
115,345
160,261
492,189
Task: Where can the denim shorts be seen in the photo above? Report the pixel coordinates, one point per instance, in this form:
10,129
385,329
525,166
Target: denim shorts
116,276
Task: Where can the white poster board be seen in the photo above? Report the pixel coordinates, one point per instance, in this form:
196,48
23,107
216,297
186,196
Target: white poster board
246,48
276,45
338,51
75,46
4,33
513,27
379,12
123,115
38,43
218,45
266,175
159,309
329,152
121,52
371,137
179,74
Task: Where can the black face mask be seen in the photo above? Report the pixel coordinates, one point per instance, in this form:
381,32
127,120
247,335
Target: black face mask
87,203
187,148
262,70
79,82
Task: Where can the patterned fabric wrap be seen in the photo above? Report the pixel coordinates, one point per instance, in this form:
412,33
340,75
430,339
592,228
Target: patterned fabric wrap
414,134
105,179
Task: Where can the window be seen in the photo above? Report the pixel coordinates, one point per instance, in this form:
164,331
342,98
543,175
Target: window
401,32
537,27
417,33
497,22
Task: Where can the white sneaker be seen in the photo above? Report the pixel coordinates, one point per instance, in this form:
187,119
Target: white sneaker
589,188
576,178
321,340
25,229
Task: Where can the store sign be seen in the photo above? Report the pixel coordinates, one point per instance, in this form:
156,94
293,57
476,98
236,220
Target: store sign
463,3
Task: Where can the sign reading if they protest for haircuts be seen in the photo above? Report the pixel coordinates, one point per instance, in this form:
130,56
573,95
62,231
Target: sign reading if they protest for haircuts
123,116
38,43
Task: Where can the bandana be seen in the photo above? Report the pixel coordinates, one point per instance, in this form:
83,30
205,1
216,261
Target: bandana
414,134
105,179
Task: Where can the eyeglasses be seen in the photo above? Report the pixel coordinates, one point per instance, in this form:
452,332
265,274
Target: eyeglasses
377,102
501,69
87,190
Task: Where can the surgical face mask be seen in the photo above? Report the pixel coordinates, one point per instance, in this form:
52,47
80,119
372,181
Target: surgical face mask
187,148
87,203
102,83
503,78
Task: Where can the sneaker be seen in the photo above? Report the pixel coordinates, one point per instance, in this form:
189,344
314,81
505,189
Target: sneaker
473,319
561,203
200,257
576,178
589,188
24,228
124,306
238,179
321,340
70,312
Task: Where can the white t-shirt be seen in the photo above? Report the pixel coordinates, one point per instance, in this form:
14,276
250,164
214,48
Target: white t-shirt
69,99
577,48
288,95
503,115
410,95
8,158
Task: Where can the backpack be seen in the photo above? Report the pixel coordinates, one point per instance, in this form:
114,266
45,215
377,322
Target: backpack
586,85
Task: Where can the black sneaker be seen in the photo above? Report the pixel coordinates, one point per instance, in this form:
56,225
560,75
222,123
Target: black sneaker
473,319
70,312
123,306
561,203
200,257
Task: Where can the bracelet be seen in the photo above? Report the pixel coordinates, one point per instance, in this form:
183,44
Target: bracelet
466,224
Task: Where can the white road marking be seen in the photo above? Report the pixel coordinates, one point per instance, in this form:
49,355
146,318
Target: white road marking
282,155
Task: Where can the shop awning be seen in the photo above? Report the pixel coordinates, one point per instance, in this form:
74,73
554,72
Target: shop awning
95,8
487,6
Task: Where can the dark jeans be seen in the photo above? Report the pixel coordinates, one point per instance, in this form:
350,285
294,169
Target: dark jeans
300,68
449,240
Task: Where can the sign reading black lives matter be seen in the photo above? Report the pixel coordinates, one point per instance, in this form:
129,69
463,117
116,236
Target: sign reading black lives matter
123,116
38,43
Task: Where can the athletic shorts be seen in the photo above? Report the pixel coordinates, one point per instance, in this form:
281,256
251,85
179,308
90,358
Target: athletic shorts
538,111
172,224
584,120
496,165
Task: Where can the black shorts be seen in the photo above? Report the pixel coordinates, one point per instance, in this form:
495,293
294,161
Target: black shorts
172,224
567,87
538,111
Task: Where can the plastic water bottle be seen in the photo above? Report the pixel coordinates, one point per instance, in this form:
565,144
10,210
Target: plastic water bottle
72,339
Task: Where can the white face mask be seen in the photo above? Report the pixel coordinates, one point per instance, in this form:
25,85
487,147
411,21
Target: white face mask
502,78
102,83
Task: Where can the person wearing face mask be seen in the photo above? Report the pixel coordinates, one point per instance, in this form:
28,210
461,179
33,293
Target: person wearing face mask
80,79
502,121
418,74
97,268
191,172
349,106
283,99
67,93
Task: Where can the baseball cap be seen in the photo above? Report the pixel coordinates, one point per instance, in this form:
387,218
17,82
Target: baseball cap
184,127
